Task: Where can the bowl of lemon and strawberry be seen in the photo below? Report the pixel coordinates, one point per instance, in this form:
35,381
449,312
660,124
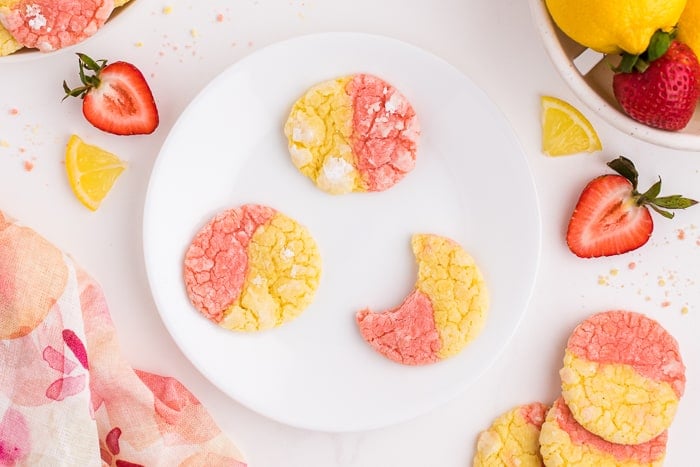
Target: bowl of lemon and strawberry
633,62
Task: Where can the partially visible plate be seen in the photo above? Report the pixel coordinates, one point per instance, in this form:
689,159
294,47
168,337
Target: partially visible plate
471,183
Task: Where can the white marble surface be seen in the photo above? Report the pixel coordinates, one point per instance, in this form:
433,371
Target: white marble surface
495,44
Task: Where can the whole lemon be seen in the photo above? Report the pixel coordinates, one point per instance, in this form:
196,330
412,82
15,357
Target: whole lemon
615,26
689,26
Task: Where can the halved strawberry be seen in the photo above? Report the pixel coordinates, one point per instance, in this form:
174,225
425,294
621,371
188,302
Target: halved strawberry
116,98
611,216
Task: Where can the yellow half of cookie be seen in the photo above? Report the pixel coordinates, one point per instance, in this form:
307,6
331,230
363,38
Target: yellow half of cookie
8,44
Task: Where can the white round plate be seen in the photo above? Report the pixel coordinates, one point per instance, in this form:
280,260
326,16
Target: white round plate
471,183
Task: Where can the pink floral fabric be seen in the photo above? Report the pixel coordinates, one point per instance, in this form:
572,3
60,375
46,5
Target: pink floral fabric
67,397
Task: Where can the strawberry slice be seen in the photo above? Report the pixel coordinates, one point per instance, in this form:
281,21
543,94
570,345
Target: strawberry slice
611,217
116,97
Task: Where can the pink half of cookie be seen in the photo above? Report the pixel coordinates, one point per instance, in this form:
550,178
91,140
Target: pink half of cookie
385,132
629,338
648,453
53,24
217,259
405,334
534,413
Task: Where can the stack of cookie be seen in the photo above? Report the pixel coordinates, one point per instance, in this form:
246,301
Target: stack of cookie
621,383
51,25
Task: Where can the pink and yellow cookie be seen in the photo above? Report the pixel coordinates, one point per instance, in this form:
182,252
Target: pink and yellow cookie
512,439
53,24
446,310
252,268
355,133
565,443
622,376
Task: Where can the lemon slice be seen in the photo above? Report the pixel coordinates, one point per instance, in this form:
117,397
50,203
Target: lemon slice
91,171
565,130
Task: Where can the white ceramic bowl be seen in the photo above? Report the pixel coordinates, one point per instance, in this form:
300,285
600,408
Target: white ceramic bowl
119,14
593,85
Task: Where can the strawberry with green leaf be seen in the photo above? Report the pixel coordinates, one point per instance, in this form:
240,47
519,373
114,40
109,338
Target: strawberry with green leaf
612,217
116,97
659,88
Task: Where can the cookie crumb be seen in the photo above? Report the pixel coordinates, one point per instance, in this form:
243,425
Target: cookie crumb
684,310
167,10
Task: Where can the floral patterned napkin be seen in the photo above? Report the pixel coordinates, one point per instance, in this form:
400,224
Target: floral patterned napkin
67,396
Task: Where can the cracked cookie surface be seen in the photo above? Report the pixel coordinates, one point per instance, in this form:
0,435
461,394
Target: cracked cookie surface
512,439
252,268
565,443
446,310
622,376
50,25
354,133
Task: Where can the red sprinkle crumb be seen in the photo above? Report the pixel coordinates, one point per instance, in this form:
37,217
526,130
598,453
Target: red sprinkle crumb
665,304
220,18
681,234
632,265
14,111
28,166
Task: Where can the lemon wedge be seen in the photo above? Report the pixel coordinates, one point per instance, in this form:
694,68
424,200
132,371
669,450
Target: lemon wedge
565,130
92,171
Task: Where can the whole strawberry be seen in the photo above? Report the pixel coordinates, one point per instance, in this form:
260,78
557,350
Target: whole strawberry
612,217
661,87
116,97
